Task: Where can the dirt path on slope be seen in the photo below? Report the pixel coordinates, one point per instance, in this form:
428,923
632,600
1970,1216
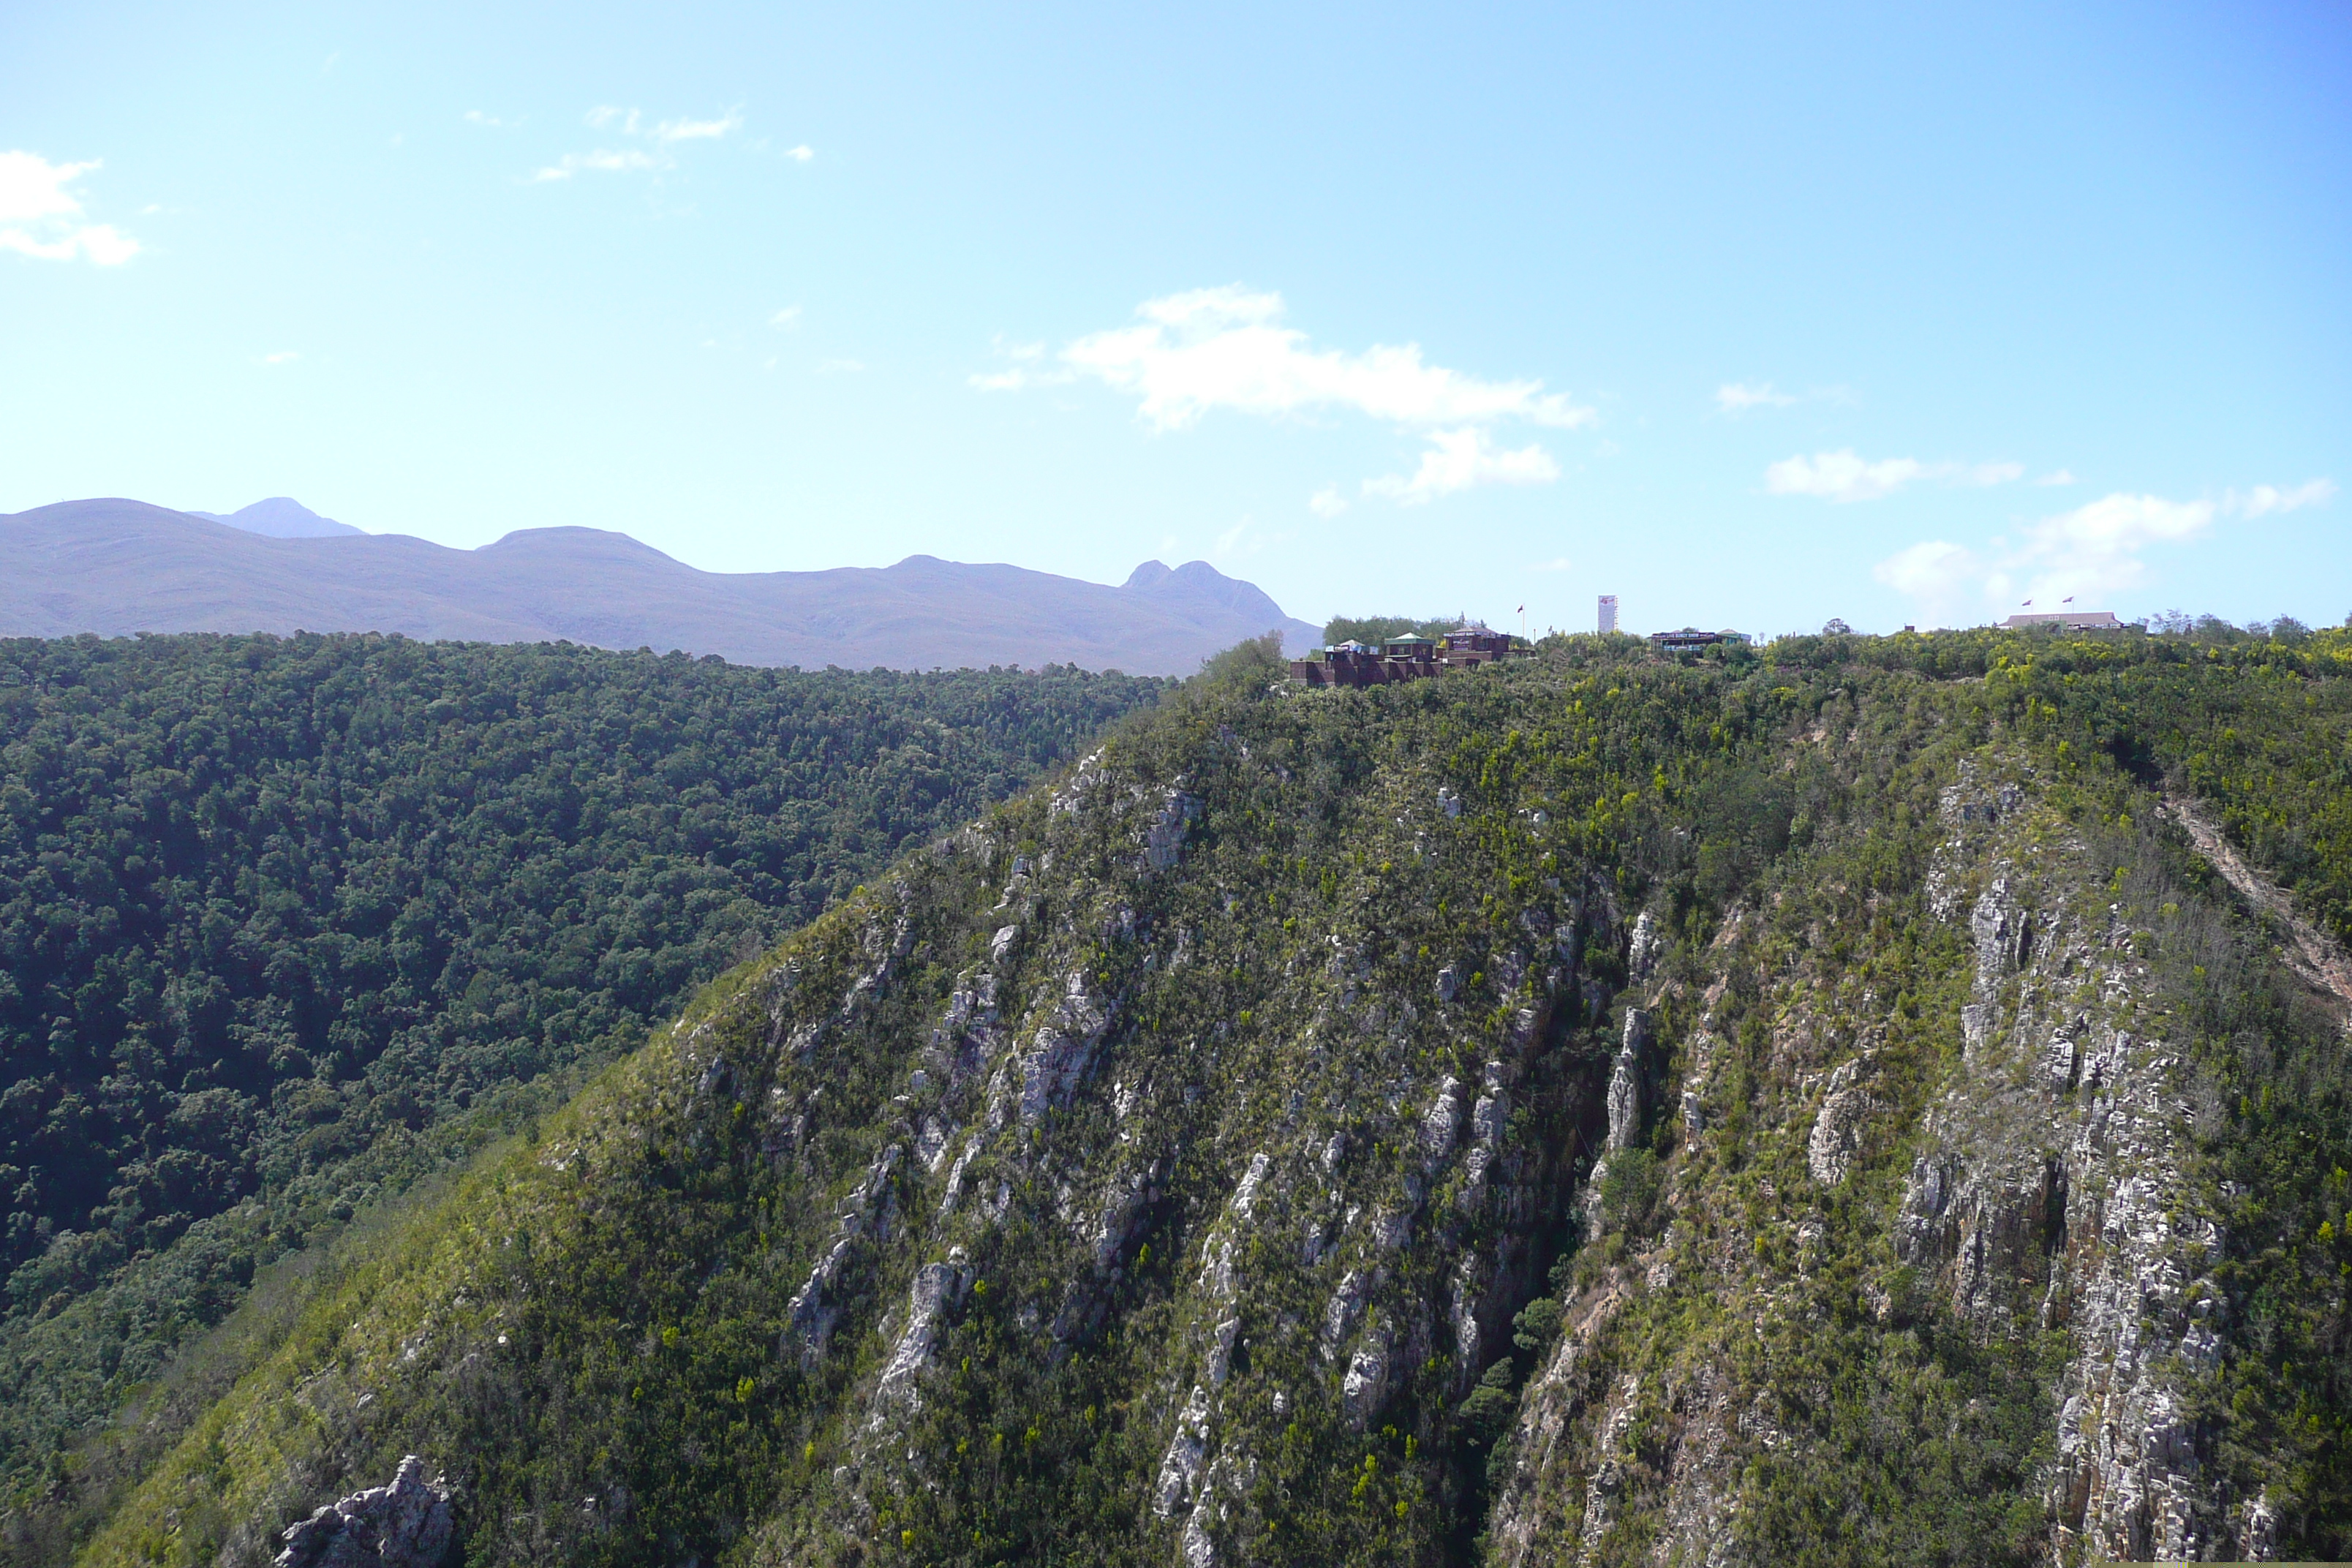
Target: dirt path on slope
2310,951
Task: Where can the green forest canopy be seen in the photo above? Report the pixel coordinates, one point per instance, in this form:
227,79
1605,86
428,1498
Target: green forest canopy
278,914
1376,629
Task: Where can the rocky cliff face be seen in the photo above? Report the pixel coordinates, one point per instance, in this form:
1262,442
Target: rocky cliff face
2051,1194
2053,1182
1358,1179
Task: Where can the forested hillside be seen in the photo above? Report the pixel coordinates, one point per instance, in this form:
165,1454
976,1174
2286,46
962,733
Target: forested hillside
285,923
1808,1106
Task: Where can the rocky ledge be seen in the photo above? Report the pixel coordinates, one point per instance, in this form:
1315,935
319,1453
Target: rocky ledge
405,1525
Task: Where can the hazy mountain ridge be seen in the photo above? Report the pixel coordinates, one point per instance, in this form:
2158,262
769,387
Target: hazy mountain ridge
1793,1108
119,567
280,517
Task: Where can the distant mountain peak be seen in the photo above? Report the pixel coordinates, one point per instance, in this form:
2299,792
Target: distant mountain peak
1197,589
280,517
116,567
1194,574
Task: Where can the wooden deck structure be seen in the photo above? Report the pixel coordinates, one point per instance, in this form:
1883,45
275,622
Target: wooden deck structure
1408,657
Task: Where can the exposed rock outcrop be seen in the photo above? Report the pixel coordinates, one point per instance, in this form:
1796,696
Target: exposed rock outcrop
406,1525
1164,841
1837,1128
2054,1187
936,1291
1625,1081
2051,1186
1624,1103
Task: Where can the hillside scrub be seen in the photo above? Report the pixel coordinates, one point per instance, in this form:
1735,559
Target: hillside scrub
1785,1103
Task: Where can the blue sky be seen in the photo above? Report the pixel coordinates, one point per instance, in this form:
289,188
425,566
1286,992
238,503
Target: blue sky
1751,316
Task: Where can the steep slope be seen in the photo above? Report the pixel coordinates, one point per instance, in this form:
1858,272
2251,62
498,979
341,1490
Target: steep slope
1778,1110
119,567
1871,1235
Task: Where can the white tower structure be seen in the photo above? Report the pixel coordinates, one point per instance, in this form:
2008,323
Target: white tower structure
1608,612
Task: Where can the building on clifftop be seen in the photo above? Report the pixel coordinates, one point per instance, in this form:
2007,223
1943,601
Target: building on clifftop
1690,640
1408,656
2068,621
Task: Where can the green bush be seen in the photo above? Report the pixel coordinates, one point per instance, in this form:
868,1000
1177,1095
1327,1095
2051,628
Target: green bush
1631,1189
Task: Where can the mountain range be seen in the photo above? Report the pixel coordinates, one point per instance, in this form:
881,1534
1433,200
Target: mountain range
119,567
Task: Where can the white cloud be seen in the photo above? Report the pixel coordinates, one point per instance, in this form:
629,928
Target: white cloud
2062,477
2264,499
1842,476
788,319
1928,568
2083,555
631,122
489,121
31,187
2086,554
40,216
1018,376
283,356
1244,538
1225,303
1557,563
1738,397
801,154
1941,577
625,161
698,130
1457,460
1224,348
2095,549
1204,349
